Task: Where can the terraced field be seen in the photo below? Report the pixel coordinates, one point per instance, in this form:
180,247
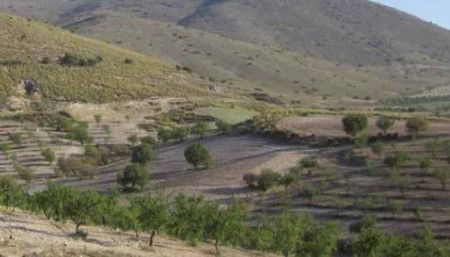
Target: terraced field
27,154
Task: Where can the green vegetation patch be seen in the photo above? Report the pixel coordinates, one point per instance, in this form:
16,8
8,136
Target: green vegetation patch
231,115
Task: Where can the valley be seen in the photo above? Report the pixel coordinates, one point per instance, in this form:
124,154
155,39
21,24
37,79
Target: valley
311,128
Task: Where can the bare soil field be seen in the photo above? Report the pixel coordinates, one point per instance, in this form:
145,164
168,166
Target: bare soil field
234,156
23,234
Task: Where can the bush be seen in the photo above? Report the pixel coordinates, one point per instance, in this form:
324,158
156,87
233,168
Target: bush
46,60
251,179
165,135
16,138
264,181
76,167
49,155
149,140
200,128
74,60
223,126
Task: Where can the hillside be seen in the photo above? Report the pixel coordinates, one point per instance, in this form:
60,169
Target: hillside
307,50
31,62
34,236
356,32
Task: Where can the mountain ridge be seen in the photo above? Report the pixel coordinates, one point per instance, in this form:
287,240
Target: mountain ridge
290,49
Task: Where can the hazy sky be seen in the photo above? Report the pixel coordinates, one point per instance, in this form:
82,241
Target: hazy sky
437,11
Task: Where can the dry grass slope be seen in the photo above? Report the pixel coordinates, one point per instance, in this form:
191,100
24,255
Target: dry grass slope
340,49
26,43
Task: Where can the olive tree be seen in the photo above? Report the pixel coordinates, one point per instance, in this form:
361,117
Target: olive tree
152,213
354,124
133,176
84,208
286,229
198,155
384,123
398,159
226,224
142,154
416,125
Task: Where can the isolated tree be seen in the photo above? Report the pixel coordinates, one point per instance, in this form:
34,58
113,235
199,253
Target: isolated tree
133,139
80,134
384,123
354,124
198,155
442,175
133,175
152,213
398,159
200,128
223,126
143,154
416,125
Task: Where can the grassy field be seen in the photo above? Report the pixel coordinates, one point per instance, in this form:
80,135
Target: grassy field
231,115
25,44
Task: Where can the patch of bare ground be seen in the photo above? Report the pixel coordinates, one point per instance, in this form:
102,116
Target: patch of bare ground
23,234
